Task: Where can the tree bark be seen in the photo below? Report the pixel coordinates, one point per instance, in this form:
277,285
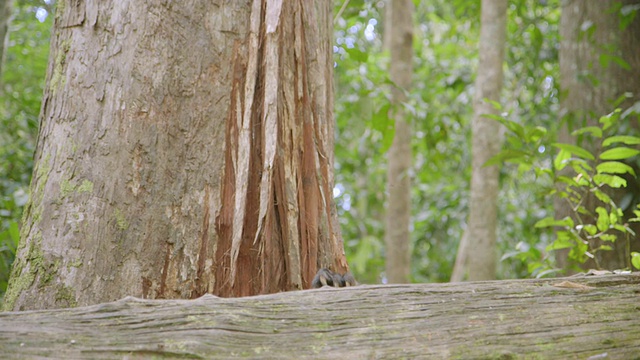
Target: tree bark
590,32
399,41
5,20
185,148
487,140
588,317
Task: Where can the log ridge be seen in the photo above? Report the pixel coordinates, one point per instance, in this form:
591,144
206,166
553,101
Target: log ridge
589,317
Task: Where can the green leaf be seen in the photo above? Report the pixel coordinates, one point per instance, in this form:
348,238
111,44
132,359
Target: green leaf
625,139
561,159
513,126
603,218
608,237
358,55
567,180
608,120
593,130
615,167
614,181
614,216
564,240
623,229
515,156
380,120
496,105
385,125
14,233
619,153
387,139
550,221
590,229
606,59
582,167
602,196
635,260
575,150
536,133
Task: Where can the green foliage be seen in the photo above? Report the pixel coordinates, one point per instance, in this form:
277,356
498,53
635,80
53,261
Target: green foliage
635,260
440,105
21,93
592,178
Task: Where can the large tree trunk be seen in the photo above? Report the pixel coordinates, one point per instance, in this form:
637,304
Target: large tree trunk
572,318
590,33
487,140
399,41
185,148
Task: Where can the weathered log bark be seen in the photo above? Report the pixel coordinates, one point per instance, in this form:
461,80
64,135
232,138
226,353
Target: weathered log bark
577,317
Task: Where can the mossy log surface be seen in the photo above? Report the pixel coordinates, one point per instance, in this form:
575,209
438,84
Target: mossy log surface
589,317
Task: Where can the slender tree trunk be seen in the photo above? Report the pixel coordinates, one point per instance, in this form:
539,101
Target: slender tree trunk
5,19
590,34
487,140
399,40
185,148
459,272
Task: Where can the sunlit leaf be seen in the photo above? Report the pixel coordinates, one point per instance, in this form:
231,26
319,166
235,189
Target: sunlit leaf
602,196
614,167
513,126
516,156
611,180
575,150
635,260
564,240
603,218
625,139
608,237
536,133
590,229
358,55
592,130
550,221
619,153
560,160
608,120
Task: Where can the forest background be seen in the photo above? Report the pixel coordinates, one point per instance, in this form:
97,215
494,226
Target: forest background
440,106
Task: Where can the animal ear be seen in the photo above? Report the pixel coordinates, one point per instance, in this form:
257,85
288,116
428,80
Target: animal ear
324,277
349,280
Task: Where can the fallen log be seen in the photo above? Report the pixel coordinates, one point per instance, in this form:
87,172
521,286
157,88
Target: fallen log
590,317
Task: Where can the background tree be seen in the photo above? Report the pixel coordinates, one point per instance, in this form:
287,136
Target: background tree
5,18
399,43
184,149
483,217
22,86
599,67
